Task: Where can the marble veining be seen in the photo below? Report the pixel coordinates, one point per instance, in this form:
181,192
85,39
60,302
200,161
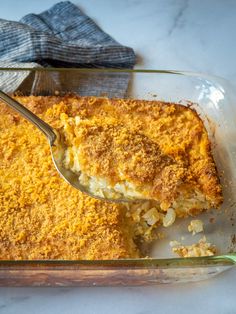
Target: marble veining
178,18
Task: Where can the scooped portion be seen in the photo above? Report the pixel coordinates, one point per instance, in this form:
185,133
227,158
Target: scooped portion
142,150
115,160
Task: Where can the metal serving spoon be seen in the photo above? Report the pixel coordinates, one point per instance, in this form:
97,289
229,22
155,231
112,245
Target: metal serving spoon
56,145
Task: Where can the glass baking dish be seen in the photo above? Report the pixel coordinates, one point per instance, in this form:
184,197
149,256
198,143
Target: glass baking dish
213,98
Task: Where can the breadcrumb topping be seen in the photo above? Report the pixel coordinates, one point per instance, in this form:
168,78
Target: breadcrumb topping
41,216
161,149
165,148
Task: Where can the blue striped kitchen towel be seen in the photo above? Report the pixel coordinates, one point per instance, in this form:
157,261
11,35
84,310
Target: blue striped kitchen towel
62,36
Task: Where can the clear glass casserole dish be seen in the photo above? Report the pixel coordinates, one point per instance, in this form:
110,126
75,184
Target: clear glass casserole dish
213,98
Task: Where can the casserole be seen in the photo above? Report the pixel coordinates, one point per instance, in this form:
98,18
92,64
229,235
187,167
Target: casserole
213,100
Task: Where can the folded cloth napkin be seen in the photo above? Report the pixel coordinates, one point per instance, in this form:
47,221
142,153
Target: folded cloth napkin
62,36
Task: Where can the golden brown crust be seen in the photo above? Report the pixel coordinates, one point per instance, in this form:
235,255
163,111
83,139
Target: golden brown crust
41,216
161,148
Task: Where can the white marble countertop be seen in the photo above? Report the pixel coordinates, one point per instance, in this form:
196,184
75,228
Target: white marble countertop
166,34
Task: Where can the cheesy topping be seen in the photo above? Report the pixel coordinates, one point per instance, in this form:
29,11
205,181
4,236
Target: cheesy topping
42,217
141,149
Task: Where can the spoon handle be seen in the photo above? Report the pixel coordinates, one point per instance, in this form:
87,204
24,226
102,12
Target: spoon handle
30,116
